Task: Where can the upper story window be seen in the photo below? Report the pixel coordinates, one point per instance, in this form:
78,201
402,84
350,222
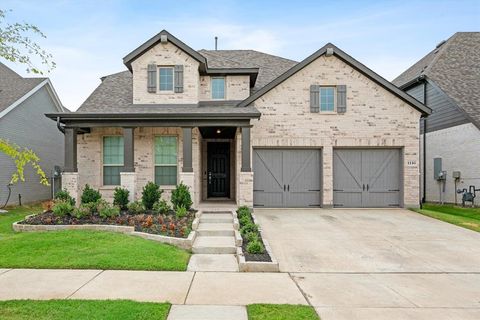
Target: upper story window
327,99
218,88
165,80
112,160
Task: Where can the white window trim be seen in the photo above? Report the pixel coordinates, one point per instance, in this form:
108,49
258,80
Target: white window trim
167,186
334,111
109,165
173,79
224,88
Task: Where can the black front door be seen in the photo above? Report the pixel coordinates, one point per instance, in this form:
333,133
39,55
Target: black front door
218,169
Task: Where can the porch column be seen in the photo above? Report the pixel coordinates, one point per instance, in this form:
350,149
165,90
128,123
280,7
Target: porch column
70,178
128,176
187,150
246,163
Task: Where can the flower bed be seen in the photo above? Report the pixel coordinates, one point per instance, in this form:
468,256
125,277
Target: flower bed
253,246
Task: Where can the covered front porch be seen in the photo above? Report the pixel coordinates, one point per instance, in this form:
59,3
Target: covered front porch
209,154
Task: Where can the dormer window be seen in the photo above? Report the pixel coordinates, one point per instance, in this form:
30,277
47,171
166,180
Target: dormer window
165,78
218,88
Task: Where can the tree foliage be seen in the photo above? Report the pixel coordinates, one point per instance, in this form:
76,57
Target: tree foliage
16,44
22,157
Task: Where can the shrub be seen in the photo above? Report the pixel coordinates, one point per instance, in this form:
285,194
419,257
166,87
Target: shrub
62,208
81,212
249,227
245,219
181,197
64,195
105,210
252,236
181,212
90,195
255,247
243,211
120,198
92,206
151,193
135,207
161,207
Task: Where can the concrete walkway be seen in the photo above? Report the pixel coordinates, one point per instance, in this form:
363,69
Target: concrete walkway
334,295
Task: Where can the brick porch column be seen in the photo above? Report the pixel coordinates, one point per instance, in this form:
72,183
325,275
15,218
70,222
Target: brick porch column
128,175
187,175
245,183
70,178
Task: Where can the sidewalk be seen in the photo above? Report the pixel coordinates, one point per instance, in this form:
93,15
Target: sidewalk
334,295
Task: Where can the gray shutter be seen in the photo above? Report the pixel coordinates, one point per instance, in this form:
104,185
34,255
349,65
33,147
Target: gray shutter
341,98
179,78
152,78
314,98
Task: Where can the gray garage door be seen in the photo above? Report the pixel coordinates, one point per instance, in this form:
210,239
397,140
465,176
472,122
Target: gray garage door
366,178
287,178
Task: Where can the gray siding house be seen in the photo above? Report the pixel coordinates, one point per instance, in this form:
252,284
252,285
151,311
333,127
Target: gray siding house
23,103
448,81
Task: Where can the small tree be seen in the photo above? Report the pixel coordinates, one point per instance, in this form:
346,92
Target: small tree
22,157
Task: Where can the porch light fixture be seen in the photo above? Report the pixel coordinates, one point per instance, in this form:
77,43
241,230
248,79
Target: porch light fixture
219,131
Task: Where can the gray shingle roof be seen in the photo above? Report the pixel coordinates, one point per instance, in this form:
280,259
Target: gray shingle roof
455,68
115,93
13,86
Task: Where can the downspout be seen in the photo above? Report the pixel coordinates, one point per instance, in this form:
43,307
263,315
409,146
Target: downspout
424,175
59,126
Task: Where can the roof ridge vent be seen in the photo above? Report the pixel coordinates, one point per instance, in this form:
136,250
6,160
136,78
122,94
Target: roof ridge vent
440,44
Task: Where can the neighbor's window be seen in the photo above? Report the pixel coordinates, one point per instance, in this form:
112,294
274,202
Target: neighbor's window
166,160
112,160
327,99
165,78
218,88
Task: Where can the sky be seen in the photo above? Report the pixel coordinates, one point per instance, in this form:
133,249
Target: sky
88,39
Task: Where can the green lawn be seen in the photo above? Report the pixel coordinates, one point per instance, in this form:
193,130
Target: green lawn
82,309
281,312
464,217
81,249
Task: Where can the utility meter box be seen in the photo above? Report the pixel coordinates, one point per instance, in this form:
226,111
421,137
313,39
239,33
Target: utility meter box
437,169
456,175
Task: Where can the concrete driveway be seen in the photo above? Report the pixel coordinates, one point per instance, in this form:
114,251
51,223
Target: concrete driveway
367,240
377,264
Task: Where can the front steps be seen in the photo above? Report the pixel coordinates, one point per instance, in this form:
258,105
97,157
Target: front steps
216,243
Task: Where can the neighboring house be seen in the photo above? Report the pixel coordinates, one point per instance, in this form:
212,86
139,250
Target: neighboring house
23,103
448,81
248,127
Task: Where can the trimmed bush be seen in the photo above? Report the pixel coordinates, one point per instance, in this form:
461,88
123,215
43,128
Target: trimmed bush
82,211
120,198
62,208
64,195
243,211
161,207
255,247
135,207
105,210
181,197
151,193
252,236
181,212
90,195
245,219
249,227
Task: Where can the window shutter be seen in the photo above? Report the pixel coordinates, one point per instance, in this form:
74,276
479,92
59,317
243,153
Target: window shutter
341,98
179,78
152,78
314,98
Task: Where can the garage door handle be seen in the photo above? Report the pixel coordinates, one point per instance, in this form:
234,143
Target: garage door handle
367,187
363,188
288,188
284,187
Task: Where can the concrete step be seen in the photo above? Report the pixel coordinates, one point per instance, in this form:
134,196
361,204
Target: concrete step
213,262
216,218
214,245
215,229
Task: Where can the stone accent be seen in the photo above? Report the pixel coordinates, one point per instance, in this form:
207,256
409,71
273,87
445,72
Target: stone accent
245,187
70,182
374,118
236,87
127,180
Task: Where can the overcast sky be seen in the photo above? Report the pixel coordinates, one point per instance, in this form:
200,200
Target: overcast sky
88,39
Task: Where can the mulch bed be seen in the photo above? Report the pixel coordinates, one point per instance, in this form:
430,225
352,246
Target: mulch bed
261,257
163,224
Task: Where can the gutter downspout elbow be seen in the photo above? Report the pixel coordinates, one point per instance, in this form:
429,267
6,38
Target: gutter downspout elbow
59,126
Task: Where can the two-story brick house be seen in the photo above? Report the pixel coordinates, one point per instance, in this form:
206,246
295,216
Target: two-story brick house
249,127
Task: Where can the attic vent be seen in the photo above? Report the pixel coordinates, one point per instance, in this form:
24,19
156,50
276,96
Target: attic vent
163,38
440,44
329,52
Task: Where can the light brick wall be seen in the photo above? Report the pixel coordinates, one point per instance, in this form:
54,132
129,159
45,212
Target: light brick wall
165,55
459,148
90,167
236,87
374,118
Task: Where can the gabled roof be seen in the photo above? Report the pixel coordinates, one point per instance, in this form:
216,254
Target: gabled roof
14,89
347,59
129,58
454,66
